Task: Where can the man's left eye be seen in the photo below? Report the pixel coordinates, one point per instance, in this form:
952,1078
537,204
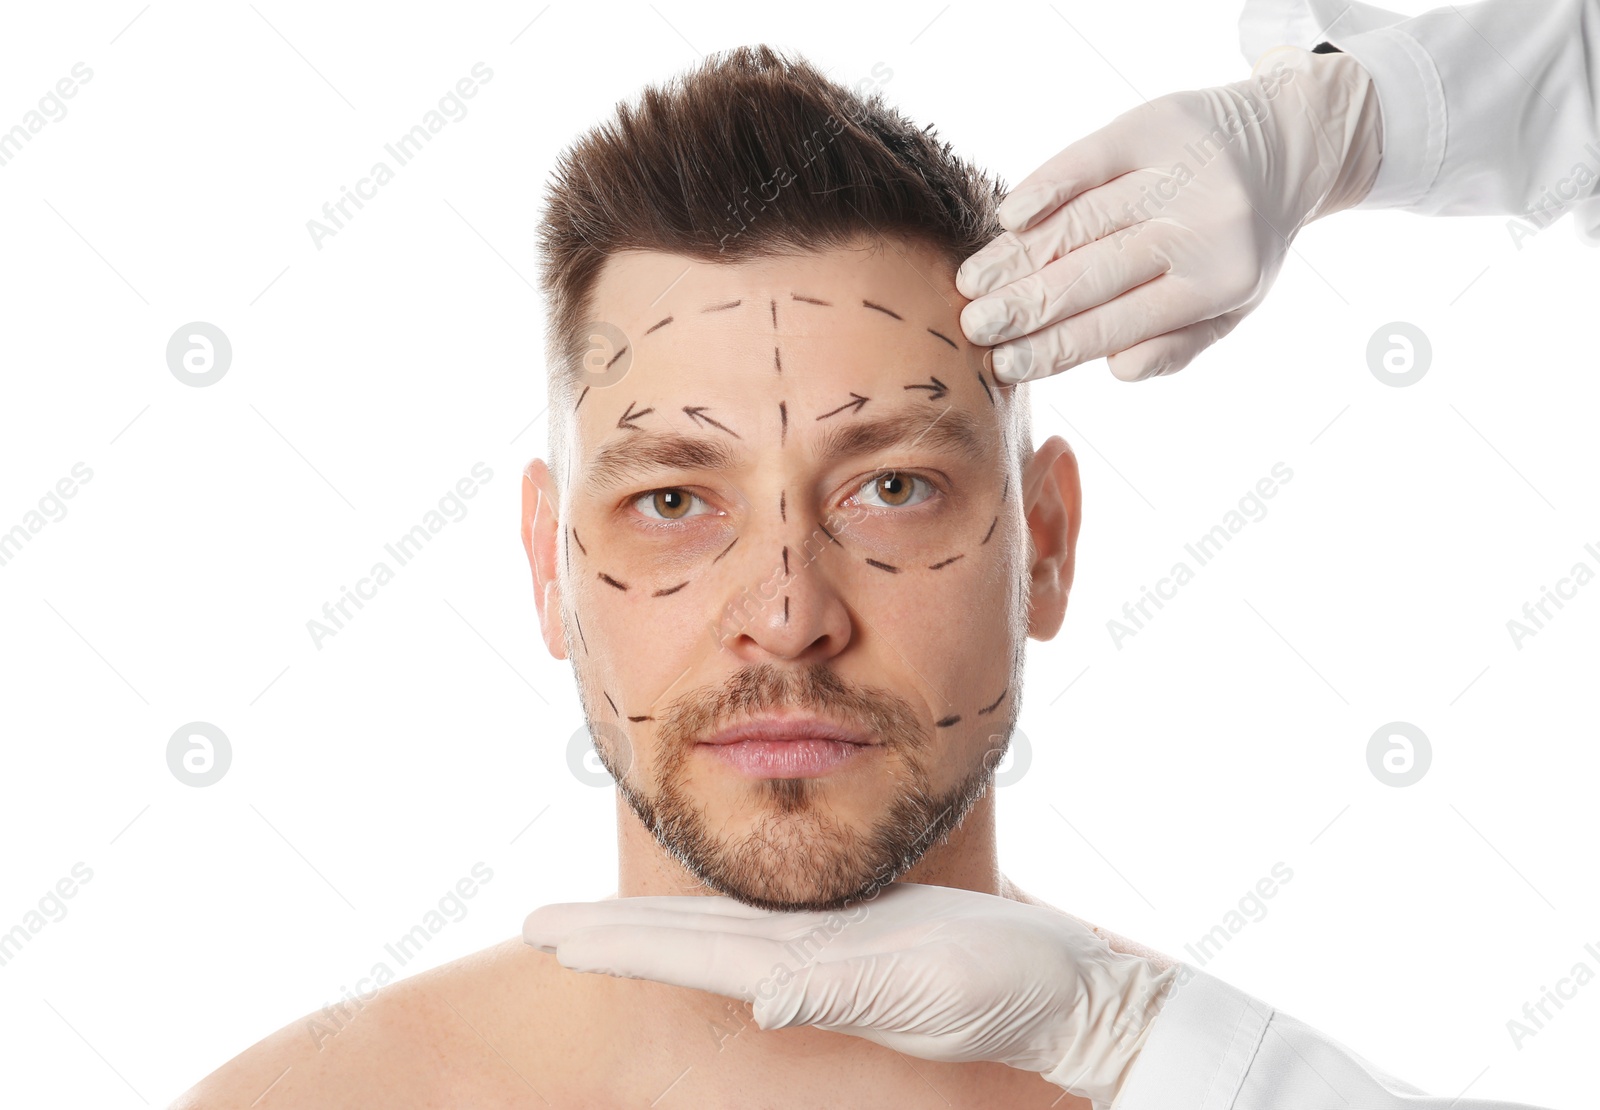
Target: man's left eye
897,489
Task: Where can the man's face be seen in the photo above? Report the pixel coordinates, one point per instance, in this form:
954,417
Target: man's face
795,505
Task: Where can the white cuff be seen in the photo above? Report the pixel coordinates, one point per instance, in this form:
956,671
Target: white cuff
1411,98
1199,1047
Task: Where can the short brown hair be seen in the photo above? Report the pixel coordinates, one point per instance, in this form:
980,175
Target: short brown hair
688,169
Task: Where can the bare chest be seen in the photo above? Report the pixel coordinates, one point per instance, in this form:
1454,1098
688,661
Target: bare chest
747,1072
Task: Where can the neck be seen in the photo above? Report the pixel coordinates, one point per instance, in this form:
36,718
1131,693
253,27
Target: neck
966,859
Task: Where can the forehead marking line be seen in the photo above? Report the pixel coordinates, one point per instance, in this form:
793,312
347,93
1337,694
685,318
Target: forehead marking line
624,420
696,413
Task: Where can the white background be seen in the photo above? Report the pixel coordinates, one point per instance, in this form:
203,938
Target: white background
369,376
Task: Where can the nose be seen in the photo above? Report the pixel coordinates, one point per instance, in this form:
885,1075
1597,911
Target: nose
783,603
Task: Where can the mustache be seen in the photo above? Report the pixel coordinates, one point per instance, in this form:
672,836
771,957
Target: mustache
815,688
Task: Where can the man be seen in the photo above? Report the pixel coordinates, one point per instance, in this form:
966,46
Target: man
792,535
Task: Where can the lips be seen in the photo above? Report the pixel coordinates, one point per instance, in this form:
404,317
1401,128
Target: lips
787,729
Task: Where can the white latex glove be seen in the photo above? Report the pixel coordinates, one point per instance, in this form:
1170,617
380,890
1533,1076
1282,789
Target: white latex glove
1150,239
936,972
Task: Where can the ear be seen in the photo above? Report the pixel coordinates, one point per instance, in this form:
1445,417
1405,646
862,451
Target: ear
1053,502
540,532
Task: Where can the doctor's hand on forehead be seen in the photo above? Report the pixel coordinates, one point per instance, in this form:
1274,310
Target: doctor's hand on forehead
1150,239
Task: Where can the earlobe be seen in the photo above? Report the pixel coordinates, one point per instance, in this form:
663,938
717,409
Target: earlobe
1053,502
540,529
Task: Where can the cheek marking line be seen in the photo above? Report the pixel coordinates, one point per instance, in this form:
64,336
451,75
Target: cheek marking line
883,566
581,636
623,421
727,549
990,532
785,608
783,417
610,581
720,307
1006,487
786,562
612,704
581,396
613,360
673,590
941,335
697,413
827,533
997,701
811,300
947,562
783,513
579,538
647,717
660,324
950,720
880,308
777,362
774,314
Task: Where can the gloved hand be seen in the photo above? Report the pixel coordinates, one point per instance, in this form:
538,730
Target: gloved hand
936,972
1150,239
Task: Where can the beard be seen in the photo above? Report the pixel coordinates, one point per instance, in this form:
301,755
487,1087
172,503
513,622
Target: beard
798,855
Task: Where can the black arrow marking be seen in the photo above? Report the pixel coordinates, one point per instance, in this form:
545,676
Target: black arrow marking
938,388
696,413
623,420
858,402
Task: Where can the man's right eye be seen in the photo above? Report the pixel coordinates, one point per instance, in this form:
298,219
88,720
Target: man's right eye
669,503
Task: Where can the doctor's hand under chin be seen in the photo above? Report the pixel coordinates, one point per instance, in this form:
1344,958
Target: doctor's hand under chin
935,972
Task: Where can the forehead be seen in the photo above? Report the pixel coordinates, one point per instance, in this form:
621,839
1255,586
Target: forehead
835,353
867,288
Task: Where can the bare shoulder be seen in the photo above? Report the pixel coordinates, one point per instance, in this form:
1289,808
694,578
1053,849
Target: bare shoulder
1117,942
465,1027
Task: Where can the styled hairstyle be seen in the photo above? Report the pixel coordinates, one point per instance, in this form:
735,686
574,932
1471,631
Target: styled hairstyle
691,169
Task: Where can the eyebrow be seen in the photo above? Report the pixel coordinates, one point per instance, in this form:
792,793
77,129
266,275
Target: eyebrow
621,458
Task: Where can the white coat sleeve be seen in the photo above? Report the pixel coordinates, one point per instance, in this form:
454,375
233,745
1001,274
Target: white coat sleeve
1214,1047
1487,108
